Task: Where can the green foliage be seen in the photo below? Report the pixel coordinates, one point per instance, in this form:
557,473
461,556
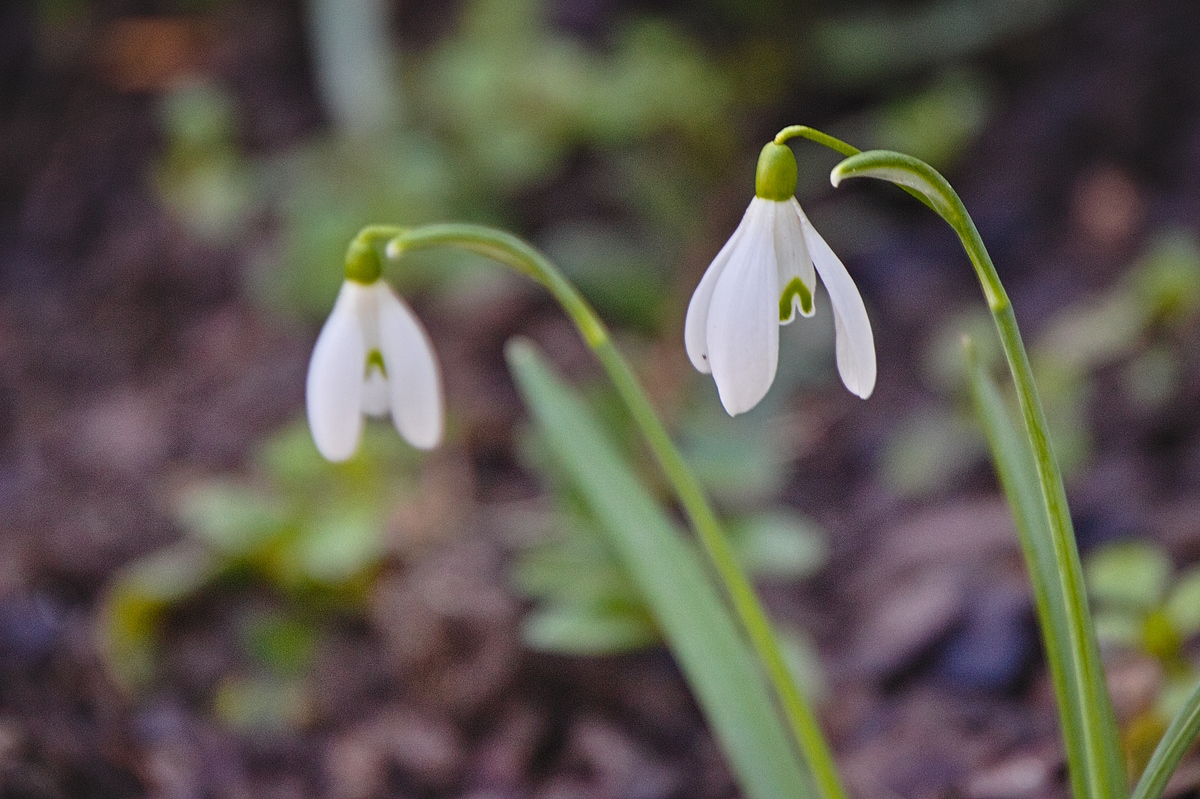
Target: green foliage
314,531
1133,325
498,108
201,176
586,601
686,606
1017,468
272,695
938,123
519,98
1143,605
860,48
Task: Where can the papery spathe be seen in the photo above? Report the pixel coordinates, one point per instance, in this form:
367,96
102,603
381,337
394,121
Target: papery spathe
372,357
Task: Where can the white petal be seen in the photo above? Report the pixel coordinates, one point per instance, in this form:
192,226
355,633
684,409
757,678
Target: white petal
855,343
695,326
376,399
793,259
334,387
743,320
414,381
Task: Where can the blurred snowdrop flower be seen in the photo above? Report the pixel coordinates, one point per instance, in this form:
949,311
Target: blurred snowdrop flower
372,357
759,280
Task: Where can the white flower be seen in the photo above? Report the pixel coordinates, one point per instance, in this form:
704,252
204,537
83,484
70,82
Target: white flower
758,281
372,357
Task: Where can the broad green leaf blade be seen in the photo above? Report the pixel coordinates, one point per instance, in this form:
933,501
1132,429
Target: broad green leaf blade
583,630
1183,605
235,520
779,545
132,609
335,546
1015,467
1119,628
1128,574
1171,749
728,684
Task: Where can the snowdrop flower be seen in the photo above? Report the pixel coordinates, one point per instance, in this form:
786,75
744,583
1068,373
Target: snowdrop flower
372,357
759,280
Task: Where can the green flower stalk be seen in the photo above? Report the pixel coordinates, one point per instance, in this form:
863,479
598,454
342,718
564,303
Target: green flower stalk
1085,707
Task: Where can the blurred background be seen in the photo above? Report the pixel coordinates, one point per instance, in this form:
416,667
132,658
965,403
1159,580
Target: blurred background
194,604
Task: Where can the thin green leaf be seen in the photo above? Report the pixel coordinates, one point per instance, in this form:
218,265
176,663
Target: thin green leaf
1013,460
1100,772
728,684
1171,749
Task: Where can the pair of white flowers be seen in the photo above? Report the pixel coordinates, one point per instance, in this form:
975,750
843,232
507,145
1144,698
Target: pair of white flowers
374,358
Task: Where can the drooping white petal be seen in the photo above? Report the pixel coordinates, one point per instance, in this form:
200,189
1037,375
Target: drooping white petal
743,319
793,260
333,391
855,343
695,326
414,381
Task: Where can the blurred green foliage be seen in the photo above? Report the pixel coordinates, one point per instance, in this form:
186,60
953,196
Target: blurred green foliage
1134,326
590,599
603,151
312,531
631,128
1142,604
880,42
585,601
201,174
497,110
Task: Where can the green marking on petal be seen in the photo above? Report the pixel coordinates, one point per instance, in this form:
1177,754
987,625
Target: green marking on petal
375,359
793,290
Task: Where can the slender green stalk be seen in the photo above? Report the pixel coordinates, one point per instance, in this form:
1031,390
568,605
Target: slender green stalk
1085,705
510,250
835,144
832,142
1017,470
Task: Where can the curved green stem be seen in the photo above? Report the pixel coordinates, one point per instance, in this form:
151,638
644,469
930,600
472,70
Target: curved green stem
836,144
1097,768
812,134
510,250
